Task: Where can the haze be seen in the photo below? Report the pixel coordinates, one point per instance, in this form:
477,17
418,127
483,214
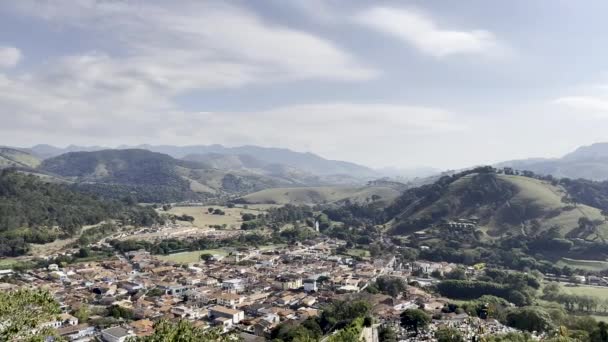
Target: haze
381,83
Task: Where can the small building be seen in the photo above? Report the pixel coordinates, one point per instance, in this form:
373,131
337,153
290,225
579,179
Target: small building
233,285
220,311
116,334
310,285
290,282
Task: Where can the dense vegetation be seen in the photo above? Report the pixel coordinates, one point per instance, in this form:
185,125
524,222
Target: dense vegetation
347,316
148,176
32,211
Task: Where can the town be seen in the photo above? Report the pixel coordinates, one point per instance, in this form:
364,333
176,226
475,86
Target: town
248,292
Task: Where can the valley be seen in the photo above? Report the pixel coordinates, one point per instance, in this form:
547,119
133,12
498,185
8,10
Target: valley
529,244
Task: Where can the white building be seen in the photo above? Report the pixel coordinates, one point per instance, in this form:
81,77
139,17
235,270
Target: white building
220,311
116,334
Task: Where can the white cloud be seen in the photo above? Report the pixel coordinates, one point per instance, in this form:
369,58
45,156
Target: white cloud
589,106
422,32
201,45
9,56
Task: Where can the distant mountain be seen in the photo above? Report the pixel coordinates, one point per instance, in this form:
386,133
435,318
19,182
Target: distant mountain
156,177
44,151
302,161
588,162
409,173
307,162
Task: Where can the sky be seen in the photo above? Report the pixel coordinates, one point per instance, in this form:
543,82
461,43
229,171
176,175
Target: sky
445,84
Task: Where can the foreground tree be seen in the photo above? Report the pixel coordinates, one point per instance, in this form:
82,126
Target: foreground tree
22,312
183,331
414,320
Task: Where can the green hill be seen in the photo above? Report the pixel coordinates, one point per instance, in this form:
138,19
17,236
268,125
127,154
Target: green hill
319,195
10,157
34,211
504,205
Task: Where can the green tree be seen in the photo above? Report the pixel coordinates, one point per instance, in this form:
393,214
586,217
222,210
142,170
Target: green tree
183,331
414,320
448,335
82,313
22,311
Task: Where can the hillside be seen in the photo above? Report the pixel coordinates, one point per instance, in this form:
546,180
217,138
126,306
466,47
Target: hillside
34,211
10,157
587,162
504,205
320,195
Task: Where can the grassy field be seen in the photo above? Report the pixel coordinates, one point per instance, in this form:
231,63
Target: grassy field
188,257
358,252
202,218
587,265
585,290
318,195
8,263
600,318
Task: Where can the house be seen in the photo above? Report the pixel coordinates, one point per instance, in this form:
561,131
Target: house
290,282
230,300
64,320
233,285
185,312
116,334
220,311
142,327
76,332
310,285
225,322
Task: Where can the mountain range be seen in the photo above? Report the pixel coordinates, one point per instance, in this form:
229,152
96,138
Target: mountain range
587,162
172,173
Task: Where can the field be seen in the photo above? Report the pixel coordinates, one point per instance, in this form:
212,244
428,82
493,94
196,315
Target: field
587,265
585,290
358,252
318,195
188,257
202,218
8,263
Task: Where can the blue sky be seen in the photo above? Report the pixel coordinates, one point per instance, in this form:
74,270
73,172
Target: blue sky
446,84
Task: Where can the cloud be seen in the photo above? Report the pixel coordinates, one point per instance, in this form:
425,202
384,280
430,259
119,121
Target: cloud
423,33
200,45
590,106
9,56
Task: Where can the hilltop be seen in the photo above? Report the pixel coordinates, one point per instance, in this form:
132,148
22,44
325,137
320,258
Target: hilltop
322,195
504,205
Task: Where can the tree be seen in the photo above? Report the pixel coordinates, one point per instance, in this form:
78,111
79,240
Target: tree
22,311
530,319
414,319
206,256
387,334
84,252
448,335
82,313
183,331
